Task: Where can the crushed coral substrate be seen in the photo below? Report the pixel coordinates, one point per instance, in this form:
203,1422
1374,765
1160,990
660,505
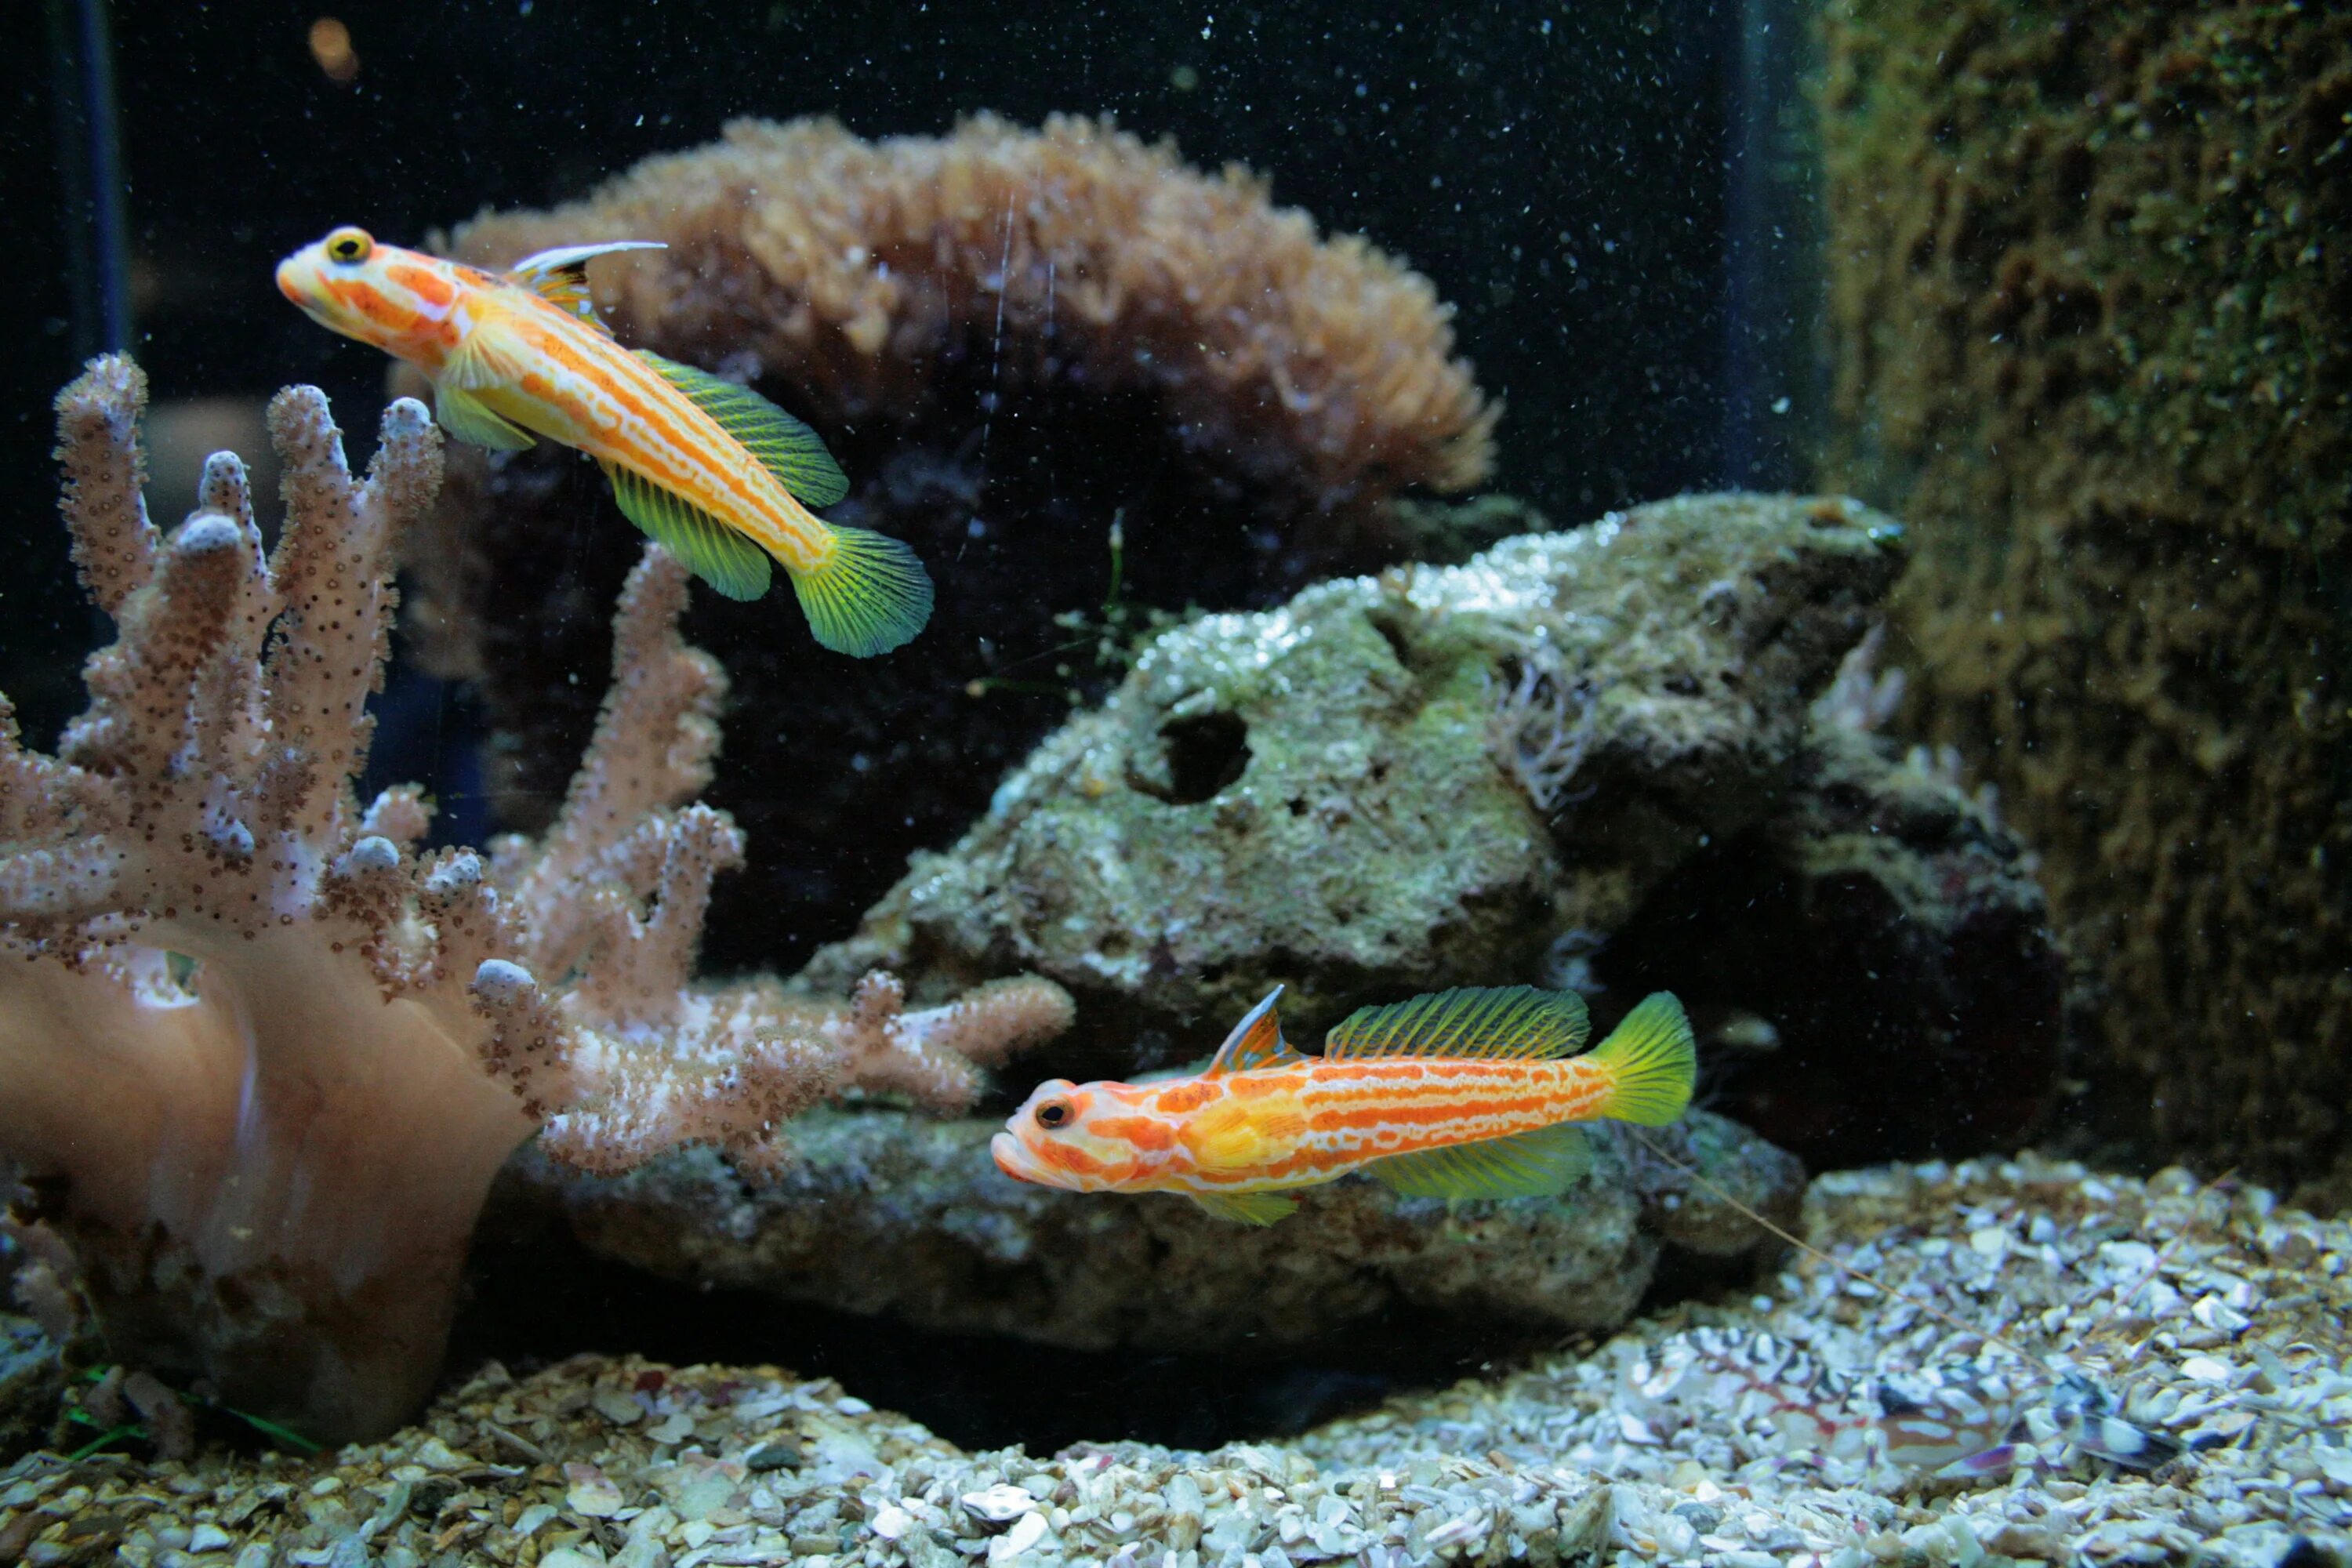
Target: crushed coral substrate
1738,1433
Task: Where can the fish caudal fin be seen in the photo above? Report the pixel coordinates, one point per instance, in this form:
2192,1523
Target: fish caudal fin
1653,1059
870,596
703,545
1543,1164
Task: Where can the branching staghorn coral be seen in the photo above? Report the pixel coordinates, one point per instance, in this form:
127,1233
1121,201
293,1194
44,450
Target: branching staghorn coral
259,1056
852,271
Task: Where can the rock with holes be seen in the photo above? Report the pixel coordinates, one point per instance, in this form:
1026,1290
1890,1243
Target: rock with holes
1437,776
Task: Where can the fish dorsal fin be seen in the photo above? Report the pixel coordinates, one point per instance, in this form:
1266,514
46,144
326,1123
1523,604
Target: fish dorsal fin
1543,1164
703,545
785,447
1502,1023
1257,1041
559,276
1248,1208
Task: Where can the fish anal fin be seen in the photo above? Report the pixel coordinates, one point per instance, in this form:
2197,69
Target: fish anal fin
1255,1042
707,547
787,448
469,418
1247,1208
559,276
1543,1164
1502,1023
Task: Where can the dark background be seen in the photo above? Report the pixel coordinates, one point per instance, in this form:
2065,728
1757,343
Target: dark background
1560,171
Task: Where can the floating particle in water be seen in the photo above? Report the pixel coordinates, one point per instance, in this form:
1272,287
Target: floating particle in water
330,47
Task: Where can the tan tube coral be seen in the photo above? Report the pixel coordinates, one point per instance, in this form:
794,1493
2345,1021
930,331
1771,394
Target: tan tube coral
260,1055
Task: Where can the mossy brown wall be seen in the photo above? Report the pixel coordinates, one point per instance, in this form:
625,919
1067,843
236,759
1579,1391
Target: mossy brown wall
2090,272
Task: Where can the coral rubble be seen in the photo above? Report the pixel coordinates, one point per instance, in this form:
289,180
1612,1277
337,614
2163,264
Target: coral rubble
2090,325
1021,344
260,1054
1741,1433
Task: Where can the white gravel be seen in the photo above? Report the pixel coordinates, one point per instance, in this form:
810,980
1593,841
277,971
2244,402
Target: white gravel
1737,1432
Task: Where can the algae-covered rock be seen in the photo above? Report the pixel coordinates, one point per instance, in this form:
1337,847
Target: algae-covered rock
2091,320
1430,777
886,1213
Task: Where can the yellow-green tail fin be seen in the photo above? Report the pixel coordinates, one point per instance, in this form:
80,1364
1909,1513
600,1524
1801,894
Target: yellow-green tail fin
869,598
1654,1059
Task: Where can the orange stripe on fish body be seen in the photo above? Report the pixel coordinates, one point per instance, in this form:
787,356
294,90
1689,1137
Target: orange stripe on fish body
714,471
1464,1093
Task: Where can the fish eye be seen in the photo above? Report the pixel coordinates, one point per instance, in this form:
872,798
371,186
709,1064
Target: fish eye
350,246
1054,1113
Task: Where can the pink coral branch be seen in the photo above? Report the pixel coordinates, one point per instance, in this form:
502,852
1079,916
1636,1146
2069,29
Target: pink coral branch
271,1054
932,1056
652,749
331,570
97,441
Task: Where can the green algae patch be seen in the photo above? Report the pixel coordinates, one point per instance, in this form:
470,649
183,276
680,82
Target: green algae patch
2088,300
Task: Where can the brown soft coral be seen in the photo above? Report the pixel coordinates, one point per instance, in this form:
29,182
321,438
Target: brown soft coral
258,1053
851,270
1084,381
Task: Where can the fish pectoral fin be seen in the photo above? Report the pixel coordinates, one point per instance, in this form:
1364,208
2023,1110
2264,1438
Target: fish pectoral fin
1543,1164
559,276
485,360
1247,1208
705,546
1495,1023
785,447
469,418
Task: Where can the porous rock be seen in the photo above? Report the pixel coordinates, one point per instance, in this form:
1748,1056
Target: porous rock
1324,796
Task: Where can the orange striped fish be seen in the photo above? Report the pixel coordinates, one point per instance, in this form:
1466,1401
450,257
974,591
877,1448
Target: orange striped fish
719,474
1469,1093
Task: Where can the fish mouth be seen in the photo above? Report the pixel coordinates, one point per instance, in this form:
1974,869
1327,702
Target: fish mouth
290,283
1015,1161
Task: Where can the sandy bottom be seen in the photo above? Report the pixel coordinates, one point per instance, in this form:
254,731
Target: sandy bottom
2072,1368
